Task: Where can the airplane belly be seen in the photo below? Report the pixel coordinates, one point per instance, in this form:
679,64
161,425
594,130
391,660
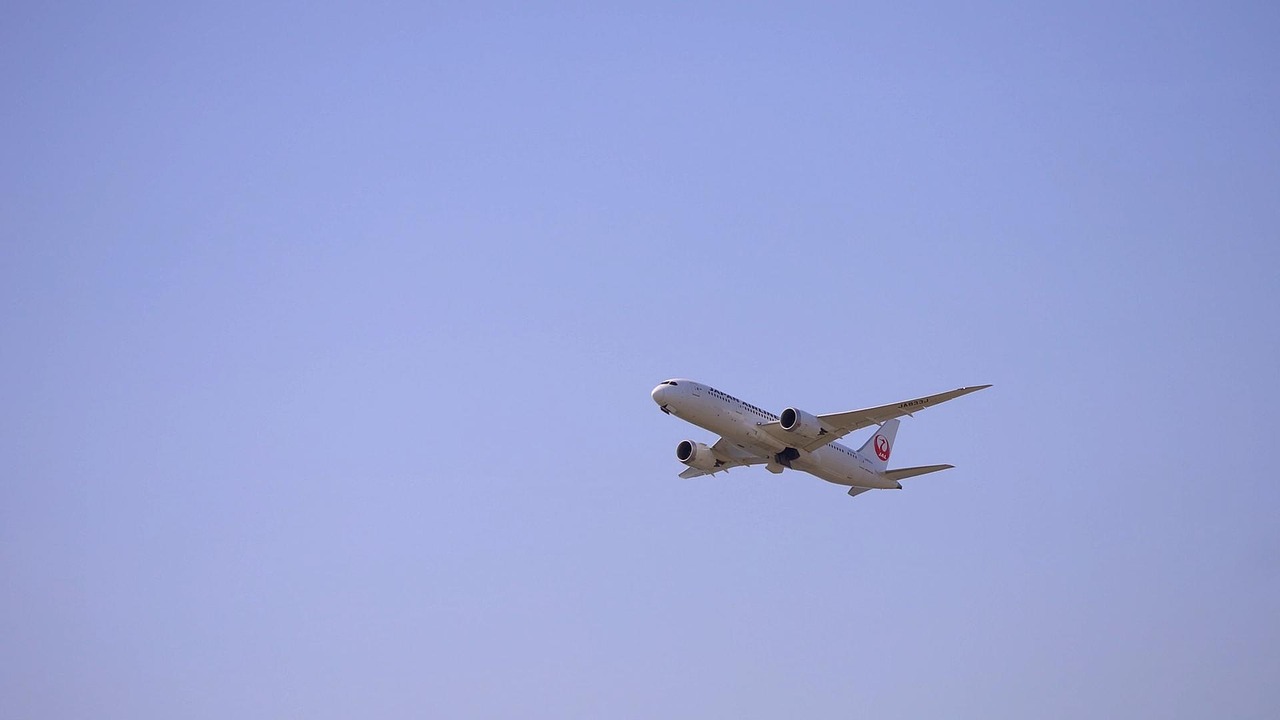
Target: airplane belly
840,469
819,471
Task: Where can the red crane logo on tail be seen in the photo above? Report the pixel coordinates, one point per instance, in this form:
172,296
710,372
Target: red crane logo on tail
882,447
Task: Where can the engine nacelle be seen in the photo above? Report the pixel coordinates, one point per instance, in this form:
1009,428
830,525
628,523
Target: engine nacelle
801,423
696,455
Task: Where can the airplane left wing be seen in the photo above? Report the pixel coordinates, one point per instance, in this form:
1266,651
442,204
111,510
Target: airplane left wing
837,425
730,455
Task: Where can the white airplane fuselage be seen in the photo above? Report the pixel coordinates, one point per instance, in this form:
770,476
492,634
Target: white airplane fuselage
739,423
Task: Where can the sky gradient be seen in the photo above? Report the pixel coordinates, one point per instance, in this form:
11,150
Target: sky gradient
327,334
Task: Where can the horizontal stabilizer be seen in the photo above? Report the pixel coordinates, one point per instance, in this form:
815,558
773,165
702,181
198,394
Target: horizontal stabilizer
856,491
903,473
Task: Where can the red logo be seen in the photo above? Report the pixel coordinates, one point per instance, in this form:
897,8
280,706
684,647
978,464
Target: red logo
882,447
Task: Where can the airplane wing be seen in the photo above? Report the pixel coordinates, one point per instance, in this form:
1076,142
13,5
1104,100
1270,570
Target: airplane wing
732,455
837,425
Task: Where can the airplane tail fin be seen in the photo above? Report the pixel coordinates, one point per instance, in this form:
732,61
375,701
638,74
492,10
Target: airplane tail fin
880,445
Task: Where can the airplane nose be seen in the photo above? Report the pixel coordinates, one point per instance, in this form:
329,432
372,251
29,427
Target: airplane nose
663,395
658,392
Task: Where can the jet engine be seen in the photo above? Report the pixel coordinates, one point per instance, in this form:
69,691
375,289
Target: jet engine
801,423
696,455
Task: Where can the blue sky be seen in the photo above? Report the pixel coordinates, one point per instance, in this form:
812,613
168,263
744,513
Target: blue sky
328,334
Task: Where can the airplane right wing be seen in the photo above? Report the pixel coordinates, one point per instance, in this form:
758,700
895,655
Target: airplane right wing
837,425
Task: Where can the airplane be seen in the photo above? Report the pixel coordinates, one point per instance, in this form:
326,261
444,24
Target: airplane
794,439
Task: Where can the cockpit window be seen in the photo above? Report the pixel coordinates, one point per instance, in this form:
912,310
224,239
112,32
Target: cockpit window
672,383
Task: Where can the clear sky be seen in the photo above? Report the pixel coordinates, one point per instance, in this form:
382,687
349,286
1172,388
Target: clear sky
327,334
